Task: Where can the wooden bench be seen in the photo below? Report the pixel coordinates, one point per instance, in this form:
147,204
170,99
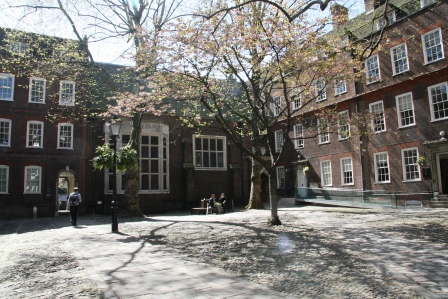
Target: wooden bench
413,204
199,211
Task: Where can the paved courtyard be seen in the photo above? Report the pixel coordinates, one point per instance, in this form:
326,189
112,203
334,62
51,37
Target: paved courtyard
318,252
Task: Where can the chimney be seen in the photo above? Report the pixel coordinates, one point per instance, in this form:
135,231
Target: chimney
339,15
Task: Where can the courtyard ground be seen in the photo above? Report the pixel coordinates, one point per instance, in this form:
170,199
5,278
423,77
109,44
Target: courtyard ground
318,252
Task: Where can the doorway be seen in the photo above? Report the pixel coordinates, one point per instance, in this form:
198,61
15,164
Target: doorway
443,177
302,183
65,185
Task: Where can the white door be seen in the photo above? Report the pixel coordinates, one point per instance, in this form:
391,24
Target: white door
301,183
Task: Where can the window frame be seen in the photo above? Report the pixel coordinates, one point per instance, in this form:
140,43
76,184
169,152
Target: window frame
431,102
43,91
224,151
34,122
71,126
425,49
5,120
6,168
321,90
278,140
326,175
344,171
369,70
280,170
6,86
404,165
296,99
39,187
323,137
337,84
376,166
380,23
277,101
63,102
399,111
341,127
373,120
298,142
394,60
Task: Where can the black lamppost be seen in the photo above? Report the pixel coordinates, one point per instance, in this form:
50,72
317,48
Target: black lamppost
114,128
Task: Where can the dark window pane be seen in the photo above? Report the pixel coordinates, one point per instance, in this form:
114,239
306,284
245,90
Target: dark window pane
155,140
165,186
164,153
213,159
164,166
205,144
220,145
154,166
199,159
145,182
154,182
154,152
145,139
144,166
220,160
145,152
213,144
206,160
198,144
123,182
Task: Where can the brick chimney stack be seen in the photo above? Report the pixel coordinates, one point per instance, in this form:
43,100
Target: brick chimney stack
339,15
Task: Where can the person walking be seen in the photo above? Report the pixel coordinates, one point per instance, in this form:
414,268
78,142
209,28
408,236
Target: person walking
74,200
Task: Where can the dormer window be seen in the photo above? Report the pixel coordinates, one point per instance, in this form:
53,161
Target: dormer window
382,21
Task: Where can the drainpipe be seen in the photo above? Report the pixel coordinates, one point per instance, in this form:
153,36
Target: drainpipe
361,155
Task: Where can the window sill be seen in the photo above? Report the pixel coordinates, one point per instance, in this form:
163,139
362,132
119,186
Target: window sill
339,94
373,82
401,73
38,147
382,183
412,181
64,148
408,126
7,100
30,102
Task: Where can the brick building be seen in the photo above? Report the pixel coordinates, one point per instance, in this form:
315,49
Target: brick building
404,89
43,158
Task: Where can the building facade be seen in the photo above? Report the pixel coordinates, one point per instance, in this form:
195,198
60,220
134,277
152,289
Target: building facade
404,91
44,154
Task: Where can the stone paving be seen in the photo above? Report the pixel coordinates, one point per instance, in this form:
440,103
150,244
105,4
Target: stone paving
331,253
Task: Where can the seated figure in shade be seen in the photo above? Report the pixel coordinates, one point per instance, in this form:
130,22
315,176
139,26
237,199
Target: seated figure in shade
224,202
213,203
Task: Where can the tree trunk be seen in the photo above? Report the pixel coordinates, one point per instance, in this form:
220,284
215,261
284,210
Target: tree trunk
274,220
255,188
131,204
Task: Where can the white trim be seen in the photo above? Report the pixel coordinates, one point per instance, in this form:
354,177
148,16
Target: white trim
323,137
296,98
425,52
72,95
41,142
340,137
424,3
403,165
60,125
321,93
394,70
7,178
5,120
278,140
42,95
280,177
34,189
376,167
406,96
342,171
373,120
298,142
277,105
5,76
199,166
377,78
443,85
337,84
322,173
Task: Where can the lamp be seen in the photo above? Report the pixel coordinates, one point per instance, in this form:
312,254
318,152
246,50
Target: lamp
67,168
114,129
